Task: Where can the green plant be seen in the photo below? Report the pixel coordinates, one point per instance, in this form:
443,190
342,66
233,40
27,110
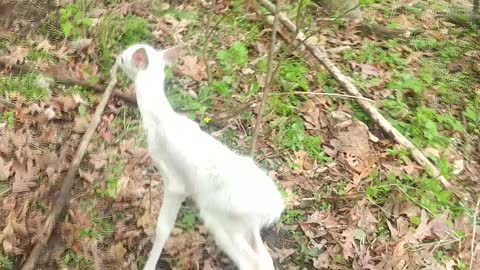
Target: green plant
291,216
401,153
114,34
406,82
109,189
70,259
27,85
8,118
472,114
236,56
188,220
5,262
292,75
72,20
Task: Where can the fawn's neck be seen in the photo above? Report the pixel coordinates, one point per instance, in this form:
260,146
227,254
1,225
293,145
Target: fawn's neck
151,98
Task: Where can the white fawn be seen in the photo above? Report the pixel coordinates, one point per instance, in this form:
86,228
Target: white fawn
236,198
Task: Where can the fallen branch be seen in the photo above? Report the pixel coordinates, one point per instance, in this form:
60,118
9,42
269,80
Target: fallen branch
65,192
326,94
473,246
206,41
132,100
268,79
346,82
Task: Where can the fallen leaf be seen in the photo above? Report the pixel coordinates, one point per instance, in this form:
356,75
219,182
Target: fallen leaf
80,125
282,253
122,187
20,138
48,135
45,45
25,176
365,69
97,12
322,261
17,56
81,44
117,252
79,100
193,67
9,237
49,113
98,160
5,169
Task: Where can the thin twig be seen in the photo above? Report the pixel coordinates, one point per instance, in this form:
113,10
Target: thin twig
327,94
5,191
268,79
205,43
131,100
65,192
472,248
346,82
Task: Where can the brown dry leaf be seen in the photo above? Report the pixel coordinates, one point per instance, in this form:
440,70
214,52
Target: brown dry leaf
193,67
209,264
282,253
354,140
147,222
348,244
311,114
5,33
365,69
67,103
436,228
49,135
81,44
9,237
122,187
367,221
117,252
127,145
168,26
322,261
121,9
45,45
17,56
5,169
98,160
20,138
86,176
323,218
80,125
25,176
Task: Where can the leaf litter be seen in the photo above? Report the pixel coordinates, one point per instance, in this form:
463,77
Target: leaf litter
348,233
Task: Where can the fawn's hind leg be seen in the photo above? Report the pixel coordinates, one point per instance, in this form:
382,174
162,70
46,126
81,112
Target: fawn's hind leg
265,258
233,241
166,220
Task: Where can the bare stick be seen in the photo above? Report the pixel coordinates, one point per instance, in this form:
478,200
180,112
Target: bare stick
132,100
205,43
472,248
346,82
327,94
65,192
268,79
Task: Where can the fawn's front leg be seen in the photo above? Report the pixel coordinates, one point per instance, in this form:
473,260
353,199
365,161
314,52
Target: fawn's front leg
166,220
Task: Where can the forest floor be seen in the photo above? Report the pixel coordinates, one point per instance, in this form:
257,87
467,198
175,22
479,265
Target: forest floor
354,198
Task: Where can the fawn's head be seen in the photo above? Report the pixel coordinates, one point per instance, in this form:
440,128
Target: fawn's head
141,57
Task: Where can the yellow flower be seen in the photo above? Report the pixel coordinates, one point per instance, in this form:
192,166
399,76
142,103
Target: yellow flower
206,120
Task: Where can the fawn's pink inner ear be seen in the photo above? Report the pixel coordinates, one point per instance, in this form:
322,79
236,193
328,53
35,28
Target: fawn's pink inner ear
137,58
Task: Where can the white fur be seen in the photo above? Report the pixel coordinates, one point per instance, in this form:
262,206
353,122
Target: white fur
235,197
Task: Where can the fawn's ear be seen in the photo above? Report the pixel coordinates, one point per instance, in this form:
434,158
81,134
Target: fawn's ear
171,55
140,59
